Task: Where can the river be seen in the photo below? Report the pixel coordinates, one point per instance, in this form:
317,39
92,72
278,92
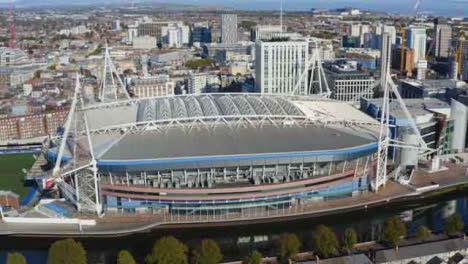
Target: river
236,241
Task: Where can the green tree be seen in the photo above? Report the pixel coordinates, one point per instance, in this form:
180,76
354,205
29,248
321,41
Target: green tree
324,241
15,258
288,247
393,231
195,64
67,251
349,238
125,257
423,232
96,51
254,258
37,74
248,25
168,250
453,225
207,252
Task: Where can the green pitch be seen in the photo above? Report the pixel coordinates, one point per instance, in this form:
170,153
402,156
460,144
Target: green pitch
11,175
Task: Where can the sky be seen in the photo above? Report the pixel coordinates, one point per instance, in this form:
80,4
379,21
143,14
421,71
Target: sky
444,7
439,7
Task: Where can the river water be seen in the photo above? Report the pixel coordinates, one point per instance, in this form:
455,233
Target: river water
237,241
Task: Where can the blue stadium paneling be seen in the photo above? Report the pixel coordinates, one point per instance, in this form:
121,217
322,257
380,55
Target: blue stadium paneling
338,190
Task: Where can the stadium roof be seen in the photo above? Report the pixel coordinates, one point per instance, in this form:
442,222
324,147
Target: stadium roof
198,130
222,106
222,141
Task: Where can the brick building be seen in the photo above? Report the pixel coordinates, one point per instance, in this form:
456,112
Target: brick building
30,126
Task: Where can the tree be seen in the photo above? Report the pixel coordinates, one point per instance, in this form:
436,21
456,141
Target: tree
207,252
393,231
254,258
195,64
125,257
168,250
248,25
324,241
423,232
128,72
289,246
67,251
453,225
349,238
96,51
15,258
37,74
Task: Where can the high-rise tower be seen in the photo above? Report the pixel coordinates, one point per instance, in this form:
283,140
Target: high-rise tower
228,28
416,40
443,38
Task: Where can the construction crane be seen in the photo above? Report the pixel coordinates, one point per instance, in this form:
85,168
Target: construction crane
459,52
11,26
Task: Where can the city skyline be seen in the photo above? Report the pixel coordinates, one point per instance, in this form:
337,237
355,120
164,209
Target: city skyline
156,129
450,7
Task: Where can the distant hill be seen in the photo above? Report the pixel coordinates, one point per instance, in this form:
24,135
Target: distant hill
32,3
50,3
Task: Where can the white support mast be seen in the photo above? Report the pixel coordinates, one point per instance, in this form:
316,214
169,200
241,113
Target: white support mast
389,88
78,179
318,83
68,124
111,89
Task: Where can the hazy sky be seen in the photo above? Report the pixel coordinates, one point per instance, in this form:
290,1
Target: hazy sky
445,7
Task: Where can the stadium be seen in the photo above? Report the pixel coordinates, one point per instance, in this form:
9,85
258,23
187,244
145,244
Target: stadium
215,154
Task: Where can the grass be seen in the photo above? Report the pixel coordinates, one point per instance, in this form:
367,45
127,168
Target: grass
11,175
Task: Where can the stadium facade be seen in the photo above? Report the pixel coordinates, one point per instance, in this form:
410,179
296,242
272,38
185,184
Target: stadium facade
217,154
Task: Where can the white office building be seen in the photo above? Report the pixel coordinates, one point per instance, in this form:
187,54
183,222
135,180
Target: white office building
416,40
359,31
144,42
176,36
132,33
279,65
228,28
354,30
117,26
173,38
266,32
203,83
391,30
